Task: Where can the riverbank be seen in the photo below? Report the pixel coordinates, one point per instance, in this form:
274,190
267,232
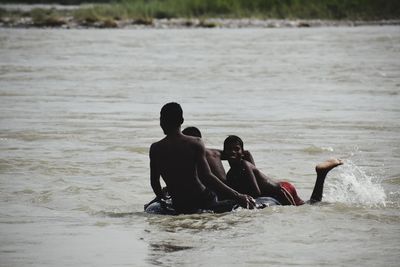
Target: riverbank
178,23
189,14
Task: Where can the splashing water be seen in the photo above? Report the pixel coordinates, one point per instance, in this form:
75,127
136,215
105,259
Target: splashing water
354,186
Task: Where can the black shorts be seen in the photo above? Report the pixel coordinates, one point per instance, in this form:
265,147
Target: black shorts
212,203
207,201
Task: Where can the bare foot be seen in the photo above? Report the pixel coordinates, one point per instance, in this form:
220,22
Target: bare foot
325,167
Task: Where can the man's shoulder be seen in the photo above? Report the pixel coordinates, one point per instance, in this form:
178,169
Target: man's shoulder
194,144
156,146
215,153
184,141
196,141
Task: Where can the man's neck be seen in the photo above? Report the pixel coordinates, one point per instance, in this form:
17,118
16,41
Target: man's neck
174,133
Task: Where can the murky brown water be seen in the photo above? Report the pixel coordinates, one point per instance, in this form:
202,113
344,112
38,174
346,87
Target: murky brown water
79,109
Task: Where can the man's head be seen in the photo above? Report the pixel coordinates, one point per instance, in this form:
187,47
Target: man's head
192,131
171,117
233,147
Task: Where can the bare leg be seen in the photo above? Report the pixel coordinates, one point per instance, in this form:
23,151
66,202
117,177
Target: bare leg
322,170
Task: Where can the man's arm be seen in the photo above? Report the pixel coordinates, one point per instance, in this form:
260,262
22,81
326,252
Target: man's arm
204,171
214,161
155,174
251,179
246,156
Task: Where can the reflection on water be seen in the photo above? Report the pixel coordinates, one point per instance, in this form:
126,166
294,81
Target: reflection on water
167,247
157,251
79,110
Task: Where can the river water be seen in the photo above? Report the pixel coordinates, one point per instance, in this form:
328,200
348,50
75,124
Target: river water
79,110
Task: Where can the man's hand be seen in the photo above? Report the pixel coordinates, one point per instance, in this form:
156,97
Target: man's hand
246,201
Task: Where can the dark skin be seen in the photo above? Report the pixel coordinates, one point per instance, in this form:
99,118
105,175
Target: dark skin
214,158
179,159
246,178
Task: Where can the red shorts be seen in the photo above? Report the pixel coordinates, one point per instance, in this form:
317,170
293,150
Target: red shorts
289,192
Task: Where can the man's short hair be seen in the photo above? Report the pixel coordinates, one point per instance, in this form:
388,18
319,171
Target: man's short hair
233,139
192,131
171,115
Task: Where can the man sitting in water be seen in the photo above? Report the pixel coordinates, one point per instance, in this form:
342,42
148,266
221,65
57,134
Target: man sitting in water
179,159
247,179
214,159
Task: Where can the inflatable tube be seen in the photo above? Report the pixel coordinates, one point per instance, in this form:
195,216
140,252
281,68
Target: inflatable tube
160,207
263,202
165,207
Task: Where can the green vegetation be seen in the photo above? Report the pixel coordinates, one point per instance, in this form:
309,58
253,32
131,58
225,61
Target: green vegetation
49,18
143,12
281,9
60,2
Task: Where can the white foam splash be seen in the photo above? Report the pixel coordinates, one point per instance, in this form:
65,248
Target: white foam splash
354,186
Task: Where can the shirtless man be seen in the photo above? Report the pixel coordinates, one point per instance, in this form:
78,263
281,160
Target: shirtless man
214,159
179,159
247,179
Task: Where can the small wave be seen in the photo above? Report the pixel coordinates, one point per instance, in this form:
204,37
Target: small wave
395,180
393,199
43,197
354,186
316,150
24,192
118,214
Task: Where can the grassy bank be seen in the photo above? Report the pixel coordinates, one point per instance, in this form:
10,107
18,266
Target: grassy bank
144,11
281,9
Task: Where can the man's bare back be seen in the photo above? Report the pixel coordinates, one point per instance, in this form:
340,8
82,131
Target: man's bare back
176,157
179,159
